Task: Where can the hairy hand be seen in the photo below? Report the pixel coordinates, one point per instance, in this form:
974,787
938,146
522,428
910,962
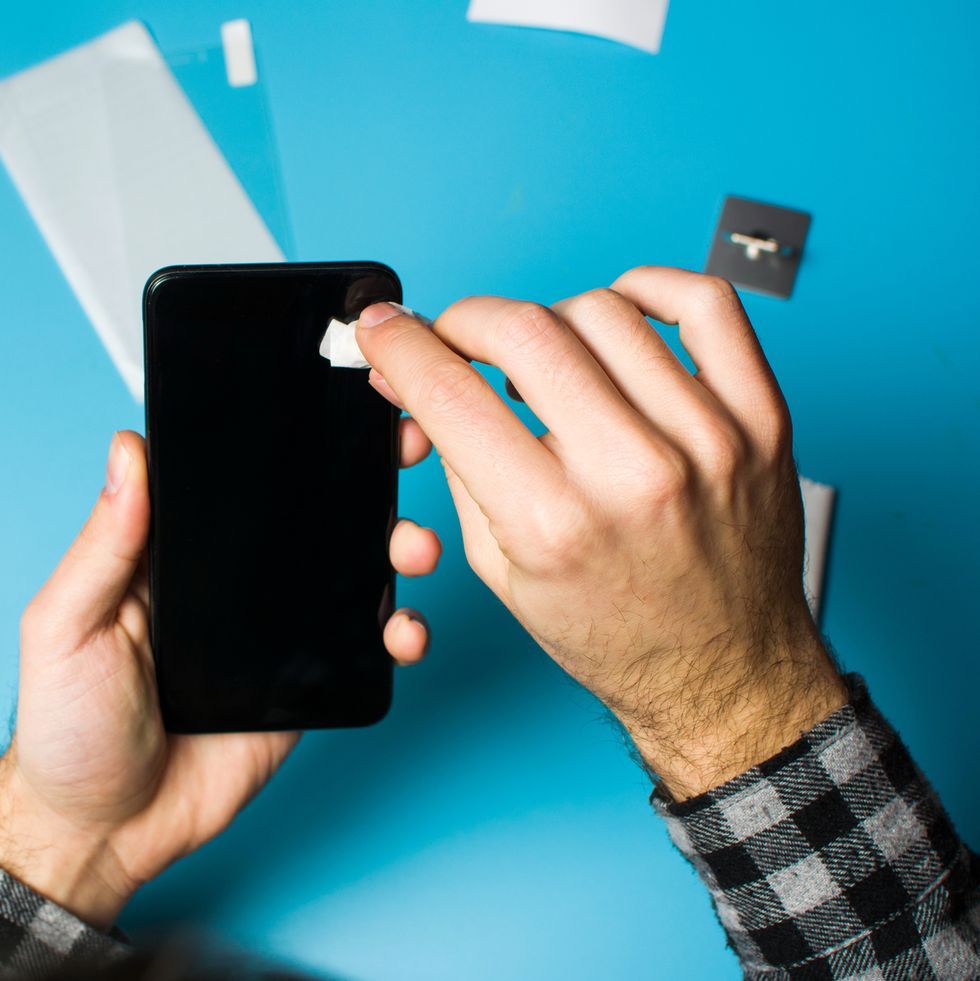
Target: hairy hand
651,541
95,798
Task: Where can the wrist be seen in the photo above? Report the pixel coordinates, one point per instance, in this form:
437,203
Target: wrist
75,868
735,714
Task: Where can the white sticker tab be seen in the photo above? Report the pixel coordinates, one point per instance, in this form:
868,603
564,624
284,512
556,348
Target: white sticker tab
236,39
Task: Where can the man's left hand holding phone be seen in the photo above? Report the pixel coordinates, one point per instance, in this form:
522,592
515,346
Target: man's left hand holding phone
96,797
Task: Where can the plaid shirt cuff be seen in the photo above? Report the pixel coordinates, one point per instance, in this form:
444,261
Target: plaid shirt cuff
37,936
834,859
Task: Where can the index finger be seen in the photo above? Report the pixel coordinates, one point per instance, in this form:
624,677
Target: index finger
492,451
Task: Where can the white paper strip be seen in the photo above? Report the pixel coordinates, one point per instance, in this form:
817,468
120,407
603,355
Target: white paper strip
818,513
122,178
236,40
639,23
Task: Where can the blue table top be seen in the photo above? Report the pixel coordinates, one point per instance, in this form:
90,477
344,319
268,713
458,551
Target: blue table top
493,826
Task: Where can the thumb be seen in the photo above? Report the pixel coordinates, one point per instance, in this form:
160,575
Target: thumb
85,590
482,549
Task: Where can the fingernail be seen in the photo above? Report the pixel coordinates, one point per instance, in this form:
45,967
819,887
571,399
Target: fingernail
417,618
409,312
117,465
378,313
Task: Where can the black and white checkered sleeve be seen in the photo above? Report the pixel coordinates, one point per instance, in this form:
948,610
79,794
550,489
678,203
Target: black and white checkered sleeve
37,936
835,859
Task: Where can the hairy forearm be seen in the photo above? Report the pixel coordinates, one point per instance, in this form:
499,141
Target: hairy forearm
834,858
724,710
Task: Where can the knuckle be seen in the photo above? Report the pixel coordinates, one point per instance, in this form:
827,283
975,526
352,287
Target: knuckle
527,328
655,475
27,620
776,432
559,534
458,308
600,298
448,386
722,451
606,310
30,620
713,291
669,481
635,273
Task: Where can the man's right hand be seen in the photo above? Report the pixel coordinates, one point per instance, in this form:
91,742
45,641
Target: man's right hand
652,540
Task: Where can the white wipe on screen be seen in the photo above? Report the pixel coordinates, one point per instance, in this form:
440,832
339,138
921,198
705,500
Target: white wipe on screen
339,346
818,513
639,23
339,343
122,177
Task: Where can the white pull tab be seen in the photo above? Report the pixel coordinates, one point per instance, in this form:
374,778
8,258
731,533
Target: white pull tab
236,39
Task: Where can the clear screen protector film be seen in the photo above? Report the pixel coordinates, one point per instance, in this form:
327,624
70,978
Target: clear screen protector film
238,119
128,164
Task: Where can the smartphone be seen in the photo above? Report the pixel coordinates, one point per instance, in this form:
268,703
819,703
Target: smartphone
273,487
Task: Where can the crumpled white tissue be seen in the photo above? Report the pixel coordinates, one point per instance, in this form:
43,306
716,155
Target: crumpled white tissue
339,344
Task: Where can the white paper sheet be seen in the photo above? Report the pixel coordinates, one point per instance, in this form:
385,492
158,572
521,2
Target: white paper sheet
818,513
639,23
122,177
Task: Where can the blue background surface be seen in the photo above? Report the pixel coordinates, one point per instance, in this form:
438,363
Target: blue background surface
494,827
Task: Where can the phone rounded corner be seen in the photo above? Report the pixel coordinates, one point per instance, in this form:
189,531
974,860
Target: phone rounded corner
156,280
379,712
385,270
380,706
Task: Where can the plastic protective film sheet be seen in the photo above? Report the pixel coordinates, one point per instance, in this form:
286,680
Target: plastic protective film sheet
636,22
122,175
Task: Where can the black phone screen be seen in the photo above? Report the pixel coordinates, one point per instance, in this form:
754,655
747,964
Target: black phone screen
273,482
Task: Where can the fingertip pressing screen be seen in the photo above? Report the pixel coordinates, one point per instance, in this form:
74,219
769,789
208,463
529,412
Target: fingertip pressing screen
122,177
